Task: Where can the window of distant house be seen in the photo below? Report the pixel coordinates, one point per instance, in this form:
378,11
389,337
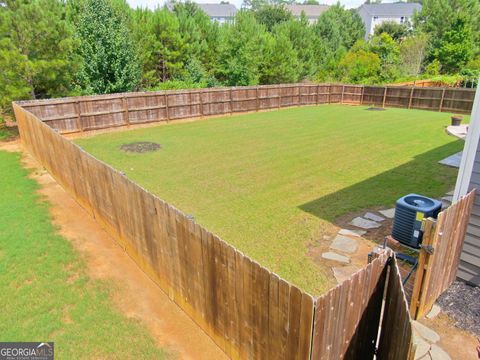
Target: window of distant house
402,19
375,18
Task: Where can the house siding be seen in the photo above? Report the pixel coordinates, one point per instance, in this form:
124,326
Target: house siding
469,268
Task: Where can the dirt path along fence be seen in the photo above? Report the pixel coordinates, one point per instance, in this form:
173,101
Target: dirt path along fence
79,114
250,312
440,254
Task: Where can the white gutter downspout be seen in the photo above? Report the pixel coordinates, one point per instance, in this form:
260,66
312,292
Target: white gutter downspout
469,151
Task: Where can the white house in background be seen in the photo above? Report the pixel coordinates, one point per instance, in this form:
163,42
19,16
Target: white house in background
312,12
219,12
375,14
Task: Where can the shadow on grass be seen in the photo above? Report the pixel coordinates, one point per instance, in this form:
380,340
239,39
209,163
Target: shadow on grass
422,175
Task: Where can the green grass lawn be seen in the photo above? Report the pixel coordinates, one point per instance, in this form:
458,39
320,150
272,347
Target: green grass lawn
270,183
45,293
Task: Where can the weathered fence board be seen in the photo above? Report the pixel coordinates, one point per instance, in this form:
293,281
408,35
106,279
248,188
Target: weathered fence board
248,311
78,114
437,271
396,341
347,317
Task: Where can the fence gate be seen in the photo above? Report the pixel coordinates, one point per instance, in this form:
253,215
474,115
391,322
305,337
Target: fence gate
440,254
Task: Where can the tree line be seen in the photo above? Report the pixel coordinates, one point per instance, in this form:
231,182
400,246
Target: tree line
53,48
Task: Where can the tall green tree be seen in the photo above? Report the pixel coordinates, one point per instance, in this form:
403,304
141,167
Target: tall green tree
304,41
36,50
388,51
412,54
110,63
395,30
271,15
280,63
359,65
241,51
199,34
452,25
338,29
160,44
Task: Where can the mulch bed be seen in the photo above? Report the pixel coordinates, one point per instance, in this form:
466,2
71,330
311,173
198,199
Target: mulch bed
376,109
140,147
462,303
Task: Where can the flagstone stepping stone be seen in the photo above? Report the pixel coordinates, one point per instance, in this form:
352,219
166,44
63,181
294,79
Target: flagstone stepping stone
389,213
422,347
356,233
330,255
343,273
425,332
374,217
448,198
344,244
434,312
437,353
364,223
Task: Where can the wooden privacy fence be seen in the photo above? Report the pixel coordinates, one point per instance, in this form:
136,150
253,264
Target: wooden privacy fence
250,312
78,114
440,254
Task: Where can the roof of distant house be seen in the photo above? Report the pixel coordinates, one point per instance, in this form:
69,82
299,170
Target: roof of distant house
309,10
218,10
392,9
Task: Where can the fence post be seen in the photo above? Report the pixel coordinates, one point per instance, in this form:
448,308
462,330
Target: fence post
231,101
343,91
421,278
411,96
384,96
79,117
166,106
318,93
201,102
441,101
361,97
329,92
257,98
125,110
279,88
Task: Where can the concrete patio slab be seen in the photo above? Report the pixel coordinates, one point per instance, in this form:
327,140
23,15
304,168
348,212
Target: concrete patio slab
453,160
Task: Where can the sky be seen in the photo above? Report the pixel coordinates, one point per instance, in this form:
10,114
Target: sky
153,3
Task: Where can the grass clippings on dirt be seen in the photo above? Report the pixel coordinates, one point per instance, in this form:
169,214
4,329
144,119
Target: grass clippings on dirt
272,183
140,147
45,293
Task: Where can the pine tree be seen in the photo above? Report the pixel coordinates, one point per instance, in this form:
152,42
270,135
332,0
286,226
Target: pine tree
36,50
109,58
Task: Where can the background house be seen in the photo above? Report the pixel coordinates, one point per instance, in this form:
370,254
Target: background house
376,14
469,178
219,12
311,11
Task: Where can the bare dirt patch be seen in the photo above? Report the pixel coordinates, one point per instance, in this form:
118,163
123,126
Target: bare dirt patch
459,344
132,292
376,109
140,147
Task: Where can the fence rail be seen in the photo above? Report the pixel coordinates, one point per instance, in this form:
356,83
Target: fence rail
78,114
440,254
250,312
